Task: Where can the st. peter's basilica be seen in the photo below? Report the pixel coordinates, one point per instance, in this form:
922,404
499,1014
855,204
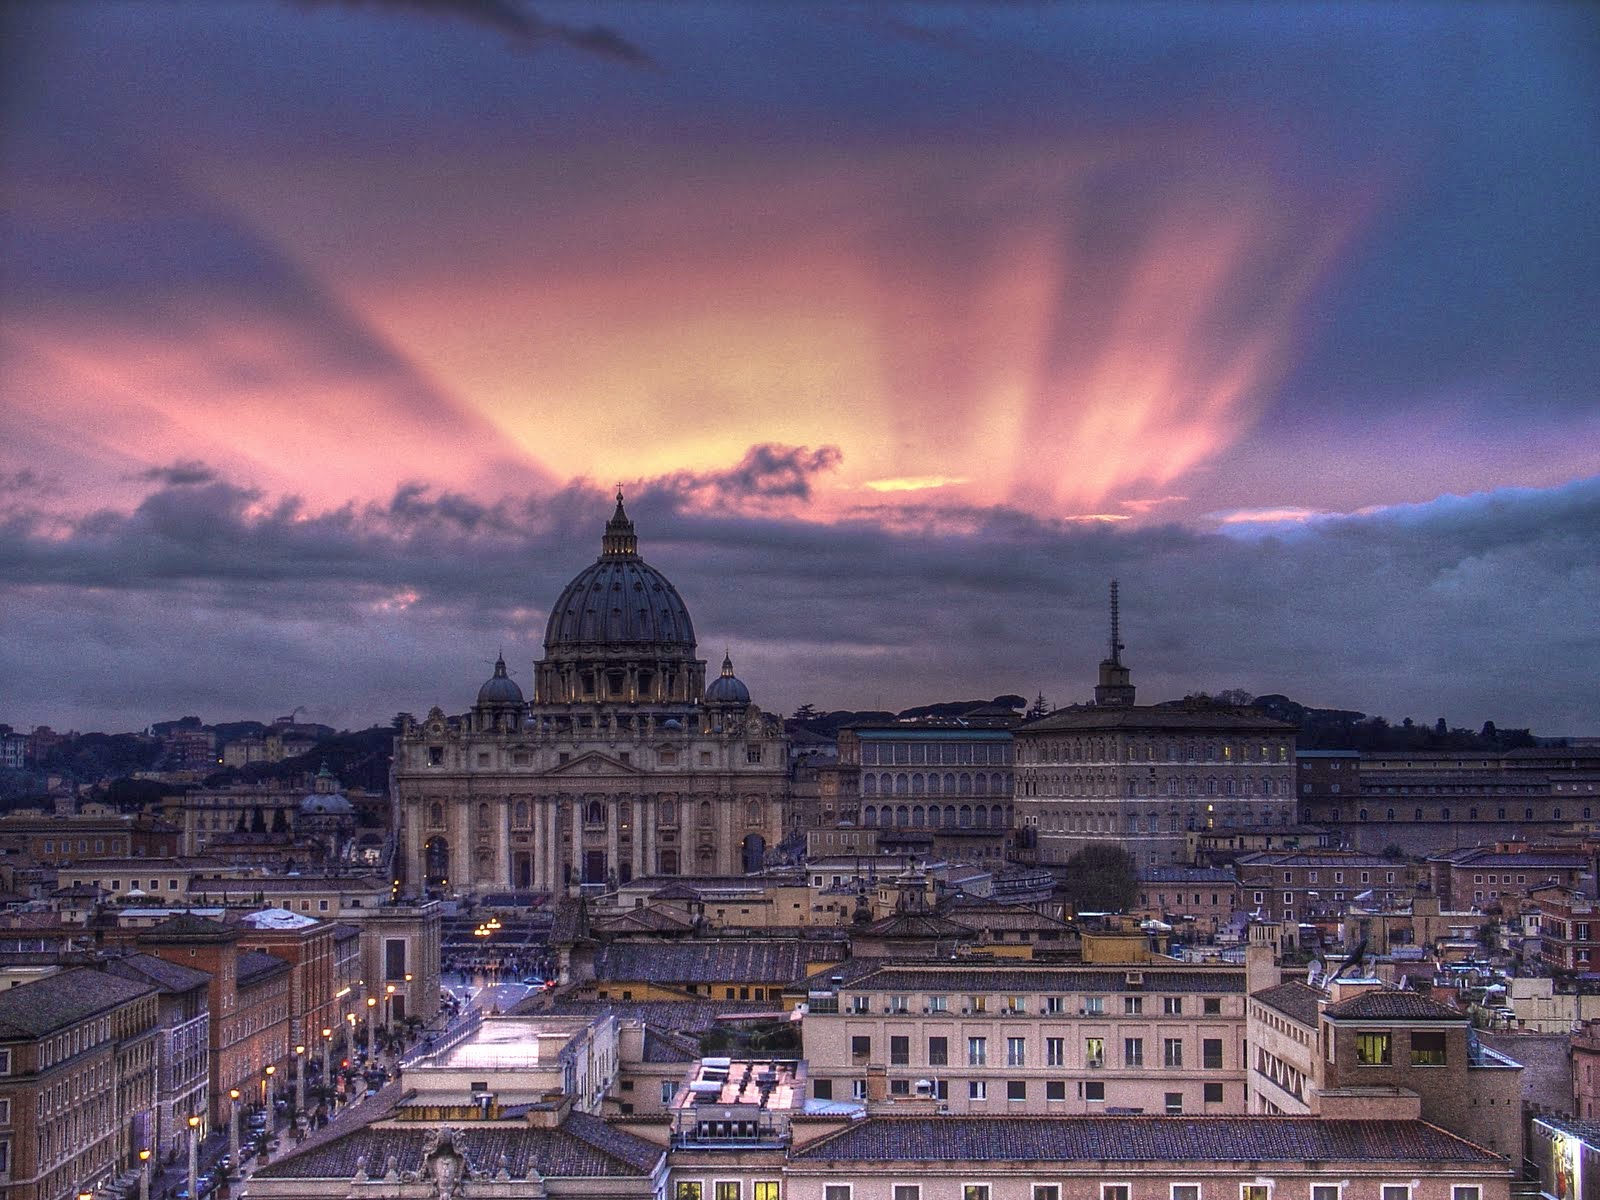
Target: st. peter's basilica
624,764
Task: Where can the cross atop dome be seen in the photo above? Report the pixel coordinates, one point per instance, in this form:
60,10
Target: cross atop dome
619,537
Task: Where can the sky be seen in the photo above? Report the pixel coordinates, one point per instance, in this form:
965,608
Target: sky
329,327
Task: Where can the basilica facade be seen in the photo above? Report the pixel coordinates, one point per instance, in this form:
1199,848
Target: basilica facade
624,763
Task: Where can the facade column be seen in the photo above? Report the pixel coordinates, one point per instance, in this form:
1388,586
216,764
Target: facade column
613,835
550,836
579,802
641,831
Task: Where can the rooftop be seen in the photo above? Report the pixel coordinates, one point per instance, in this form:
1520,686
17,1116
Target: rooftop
583,1147
1297,1001
1144,1139
32,1010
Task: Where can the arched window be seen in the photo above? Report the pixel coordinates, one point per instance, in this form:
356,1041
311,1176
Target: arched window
1388,814
869,784
705,814
669,812
484,820
933,813
966,816
597,813
436,815
1444,814
902,785
980,783
1362,815
980,815
752,813
869,815
933,783
996,815
916,783
521,814
669,862
1527,814
917,816
966,784
902,815
949,815
949,783
1418,817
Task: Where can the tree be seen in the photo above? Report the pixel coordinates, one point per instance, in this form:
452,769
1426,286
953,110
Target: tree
1101,878
806,712
1041,707
1440,729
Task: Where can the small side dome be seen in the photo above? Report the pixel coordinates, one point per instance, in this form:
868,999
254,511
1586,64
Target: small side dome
323,804
727,688
501,688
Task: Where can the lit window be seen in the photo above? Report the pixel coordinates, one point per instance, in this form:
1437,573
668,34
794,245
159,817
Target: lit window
1373,1050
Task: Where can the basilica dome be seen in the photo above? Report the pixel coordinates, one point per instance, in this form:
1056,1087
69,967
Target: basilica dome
619,602
619,633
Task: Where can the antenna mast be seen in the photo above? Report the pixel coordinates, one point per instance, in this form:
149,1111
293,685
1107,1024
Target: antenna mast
1116,638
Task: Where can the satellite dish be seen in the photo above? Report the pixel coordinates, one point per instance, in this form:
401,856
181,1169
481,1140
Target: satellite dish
1313,972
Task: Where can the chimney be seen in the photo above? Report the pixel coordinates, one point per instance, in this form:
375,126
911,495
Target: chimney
877,1083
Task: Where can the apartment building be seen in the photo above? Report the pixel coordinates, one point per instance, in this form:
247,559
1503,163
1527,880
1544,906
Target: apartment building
1569,931
185,1047
1161,1038
1196,900
78,1078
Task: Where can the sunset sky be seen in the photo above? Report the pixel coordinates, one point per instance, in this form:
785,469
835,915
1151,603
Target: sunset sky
327,328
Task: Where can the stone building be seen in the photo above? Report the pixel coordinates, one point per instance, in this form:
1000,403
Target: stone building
1143,776
624,763
1032,1038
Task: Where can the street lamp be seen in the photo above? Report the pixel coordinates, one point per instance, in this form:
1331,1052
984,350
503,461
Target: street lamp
144,1174
299,1081
327,1079
194,1157
266,1095
233,1127
388,1007
372,1031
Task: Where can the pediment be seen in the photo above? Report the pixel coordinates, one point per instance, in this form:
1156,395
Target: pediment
594,763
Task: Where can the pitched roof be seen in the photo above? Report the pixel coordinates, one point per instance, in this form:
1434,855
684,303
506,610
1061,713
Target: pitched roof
168,976
1143,1139
669,1046
723,961
34,1009
255,965
187,925
1388,1005
1297,1001
679,1016
908,977
582,1147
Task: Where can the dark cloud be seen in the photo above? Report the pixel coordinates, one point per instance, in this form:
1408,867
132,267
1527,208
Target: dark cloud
1475,607
182,473
768,474
519,23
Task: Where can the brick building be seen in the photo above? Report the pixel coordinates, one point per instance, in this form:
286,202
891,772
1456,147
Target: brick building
1359,1048
249,997
78,1067
1569,931
1295,886
1503,875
